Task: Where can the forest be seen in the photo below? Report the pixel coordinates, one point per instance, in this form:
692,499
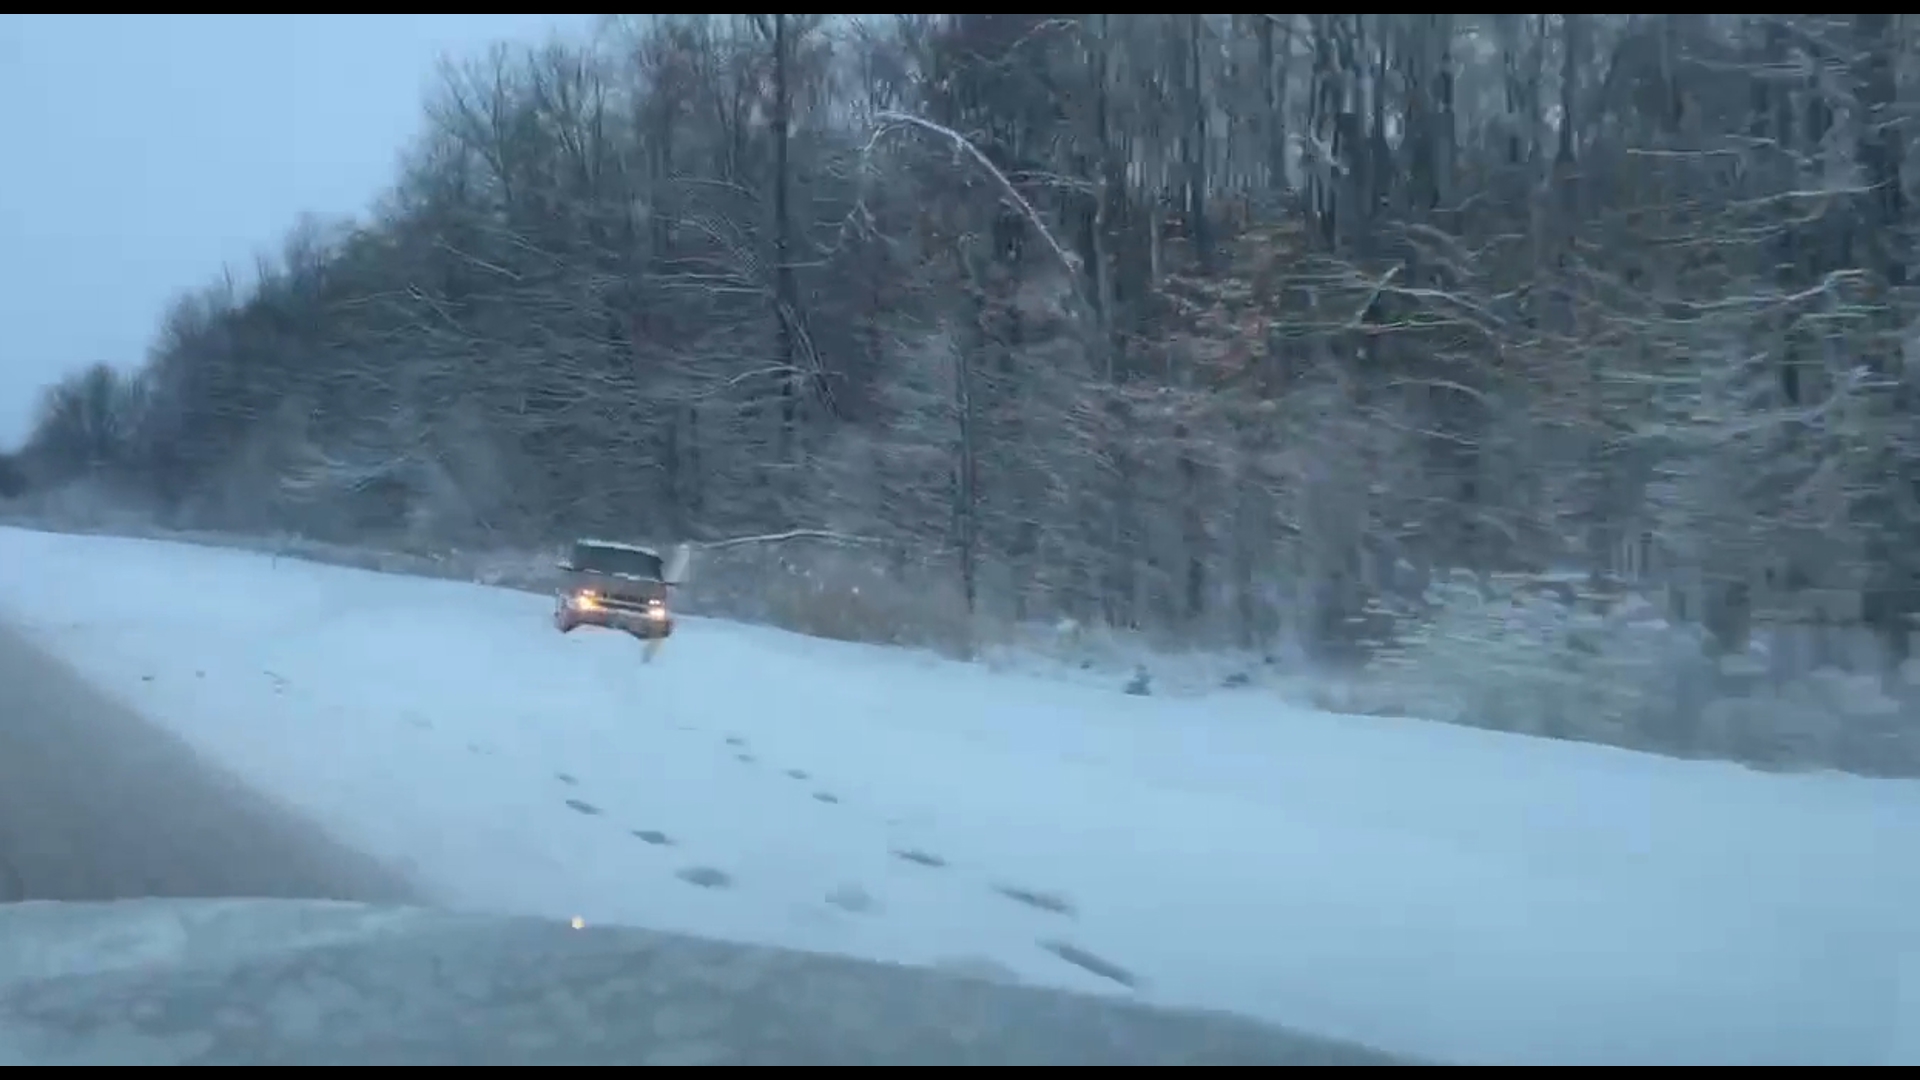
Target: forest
1266,332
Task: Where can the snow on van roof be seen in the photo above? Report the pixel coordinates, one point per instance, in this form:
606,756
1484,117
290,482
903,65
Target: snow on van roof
616,545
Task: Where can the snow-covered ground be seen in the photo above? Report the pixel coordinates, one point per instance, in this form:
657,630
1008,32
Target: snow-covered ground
1429,889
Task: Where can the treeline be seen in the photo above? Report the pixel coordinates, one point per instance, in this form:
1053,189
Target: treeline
1234,327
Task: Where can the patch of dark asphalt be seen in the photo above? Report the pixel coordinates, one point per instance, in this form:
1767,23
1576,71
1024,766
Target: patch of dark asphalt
98,803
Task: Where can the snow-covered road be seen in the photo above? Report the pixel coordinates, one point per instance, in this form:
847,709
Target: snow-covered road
1426,889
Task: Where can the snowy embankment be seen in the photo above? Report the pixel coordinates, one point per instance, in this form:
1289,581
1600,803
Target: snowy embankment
1424,888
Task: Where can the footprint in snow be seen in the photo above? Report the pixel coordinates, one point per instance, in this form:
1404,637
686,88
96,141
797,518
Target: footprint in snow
583,807
705,876
825,797
565,778
1086,961
1050,902
851,897
924,858
654,837
745,758
797,774
735,740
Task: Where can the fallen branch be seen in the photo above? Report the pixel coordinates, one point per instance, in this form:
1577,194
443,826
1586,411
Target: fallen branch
895,120
790,534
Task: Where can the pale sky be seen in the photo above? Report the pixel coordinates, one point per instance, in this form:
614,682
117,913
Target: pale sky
141,153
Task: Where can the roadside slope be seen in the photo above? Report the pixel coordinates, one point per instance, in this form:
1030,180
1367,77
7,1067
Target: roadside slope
98,804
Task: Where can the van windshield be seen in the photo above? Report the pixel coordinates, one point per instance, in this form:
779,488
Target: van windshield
625,562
